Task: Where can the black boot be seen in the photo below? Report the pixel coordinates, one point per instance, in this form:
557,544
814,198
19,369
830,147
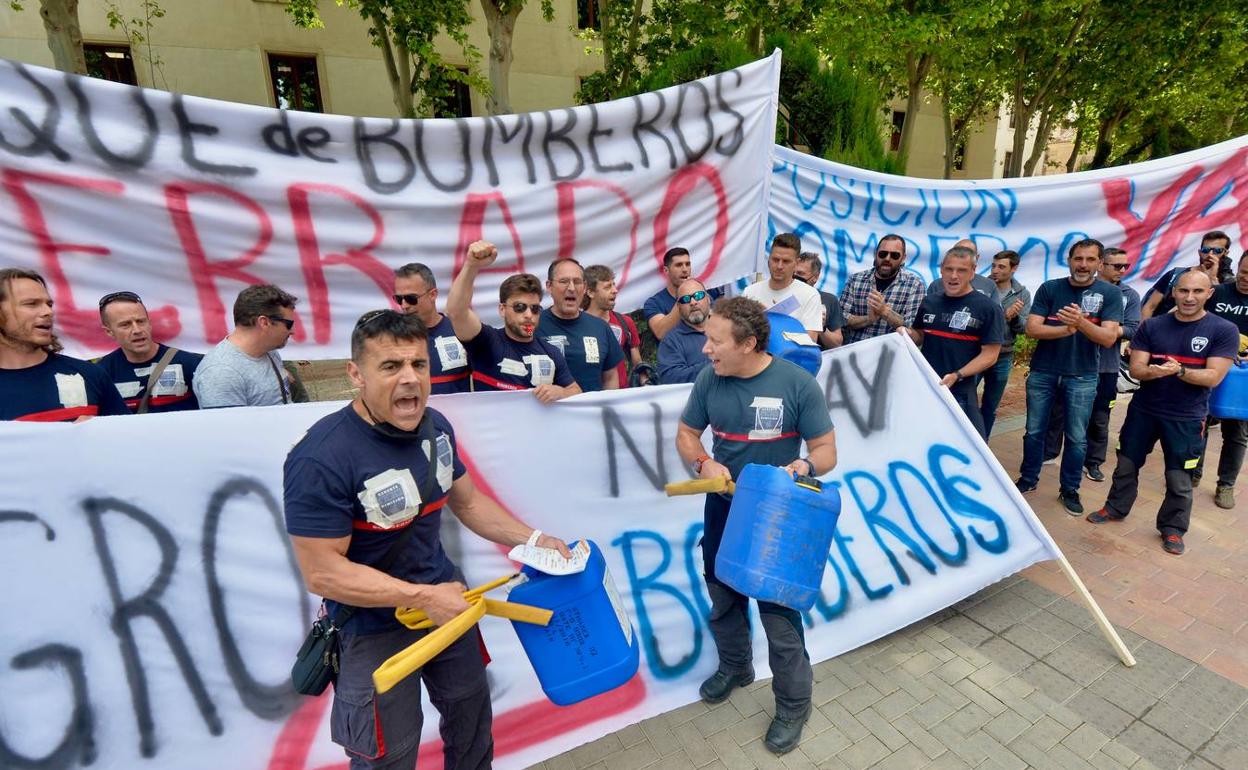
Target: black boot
785,733
719,686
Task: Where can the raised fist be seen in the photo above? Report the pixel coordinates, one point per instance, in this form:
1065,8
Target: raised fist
482,253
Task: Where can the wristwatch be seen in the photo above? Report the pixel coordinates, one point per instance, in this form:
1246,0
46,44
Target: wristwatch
1182,371
961,376
697,464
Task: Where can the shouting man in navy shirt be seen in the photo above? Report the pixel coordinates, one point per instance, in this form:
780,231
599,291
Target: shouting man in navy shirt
1178,358
151,377
416,292
592,350
960,331
510,358
359,478
37,383
1071,319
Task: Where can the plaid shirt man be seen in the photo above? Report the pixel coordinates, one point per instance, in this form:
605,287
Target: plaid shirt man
904,296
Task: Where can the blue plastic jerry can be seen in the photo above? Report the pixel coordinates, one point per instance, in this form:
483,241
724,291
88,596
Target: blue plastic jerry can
589,647
806,356
1229,401
778,535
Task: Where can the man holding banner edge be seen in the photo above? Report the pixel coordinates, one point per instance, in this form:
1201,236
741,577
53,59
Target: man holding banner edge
731,397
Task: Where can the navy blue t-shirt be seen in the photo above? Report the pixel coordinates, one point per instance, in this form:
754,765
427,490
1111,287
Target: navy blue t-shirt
61,389
174,392
1101,301
956,328
587,343
345,479
1228,303
1191,343
448,361
500,363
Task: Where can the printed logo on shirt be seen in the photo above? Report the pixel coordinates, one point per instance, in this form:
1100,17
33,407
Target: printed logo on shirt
451,353
618,331
1092,302
541,369
446,461
1199,343
172,382
511,366
390,498
929,317
768,417
591,349
959,320
129,389
71,389
560,341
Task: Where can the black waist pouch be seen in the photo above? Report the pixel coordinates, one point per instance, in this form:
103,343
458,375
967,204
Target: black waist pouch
316,663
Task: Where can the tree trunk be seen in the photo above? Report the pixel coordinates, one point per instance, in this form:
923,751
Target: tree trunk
916,74
502,27
1105,137
60,21
398,67
1042,140
608,44
951,142
1022,121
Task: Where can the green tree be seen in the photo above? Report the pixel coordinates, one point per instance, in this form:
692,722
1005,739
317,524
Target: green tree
138,30
421,79
60,22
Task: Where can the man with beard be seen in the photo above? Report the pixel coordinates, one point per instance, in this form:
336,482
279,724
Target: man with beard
510,358
959,331
600,294
150,377
782,292
660,309
681,355
416,293
591,349
1071,319
1230,302
373,476
1213,261
809,266
878,300
1178,358
37,383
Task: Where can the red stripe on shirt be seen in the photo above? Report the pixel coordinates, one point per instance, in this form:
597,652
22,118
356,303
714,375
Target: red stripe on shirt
370,527
1096,319
441,378
951,335
488,380
745,437
60,415
133,403
1181,359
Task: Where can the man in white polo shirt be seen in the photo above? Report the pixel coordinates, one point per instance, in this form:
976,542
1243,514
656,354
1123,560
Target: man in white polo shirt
782,293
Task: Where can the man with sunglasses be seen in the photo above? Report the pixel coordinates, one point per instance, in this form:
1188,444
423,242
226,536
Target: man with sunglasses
878,300
660,309
151,377
782,292
374,476
591,349
1214,261
681,353
245,369
37,383
416,293
510,358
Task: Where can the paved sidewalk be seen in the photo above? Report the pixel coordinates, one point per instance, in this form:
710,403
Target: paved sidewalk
1017,676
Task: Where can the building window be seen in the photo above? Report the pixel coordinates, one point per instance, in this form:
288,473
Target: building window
959,152
458,102
110,62
296,85
899,122
587,15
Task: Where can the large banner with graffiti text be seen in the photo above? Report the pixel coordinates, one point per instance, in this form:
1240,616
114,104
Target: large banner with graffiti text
186,201
152,605
1156,210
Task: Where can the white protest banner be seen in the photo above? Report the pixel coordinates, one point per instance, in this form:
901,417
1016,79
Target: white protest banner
153,607
1156,210
186,201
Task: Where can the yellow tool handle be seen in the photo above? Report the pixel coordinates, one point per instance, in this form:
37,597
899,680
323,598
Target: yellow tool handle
417,619
701,486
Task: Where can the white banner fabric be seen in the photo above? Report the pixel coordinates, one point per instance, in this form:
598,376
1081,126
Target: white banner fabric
184,200
1156,210
153,607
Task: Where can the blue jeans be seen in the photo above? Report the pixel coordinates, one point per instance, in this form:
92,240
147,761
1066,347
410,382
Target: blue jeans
1078,391
995,377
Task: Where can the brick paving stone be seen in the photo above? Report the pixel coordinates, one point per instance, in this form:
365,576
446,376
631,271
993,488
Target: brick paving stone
947,693
631,735
893,706
921,663
965,720
1074,660
884,682
1064,715
1157,669
864,753
720,717
933,645
745,701
632,758
926,742
965,629
1029,640
1018,705
881,728
1044,734
1067,759
1050,681
917,690
1121,753
954,670
826,744
595,751
1215,688
1052,625
679,716
816,723
844,672
1226,752
907,757
1006,655
1071,612
947,761
838,716
859,698
660,736
795,760
980,697
1160,750
1104,762
694,744
1179,725
1007,760
932,711
678,761
959,743
728,752
1204,702
749,729
1085,741
1197,763
990,676
828,689
1007,726
1126,696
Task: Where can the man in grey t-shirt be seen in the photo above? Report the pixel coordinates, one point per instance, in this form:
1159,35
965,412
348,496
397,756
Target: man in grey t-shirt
759,409
244,369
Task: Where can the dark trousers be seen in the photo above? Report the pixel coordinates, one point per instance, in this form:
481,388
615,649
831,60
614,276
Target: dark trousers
1181,442
995,378
964,393
1234,442
383,730
792,677
1098,422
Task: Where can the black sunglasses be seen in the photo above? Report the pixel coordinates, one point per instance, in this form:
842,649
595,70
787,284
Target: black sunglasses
520,307
119,296
1118,265
289,323
410,299
697,296
890,254
1217,251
